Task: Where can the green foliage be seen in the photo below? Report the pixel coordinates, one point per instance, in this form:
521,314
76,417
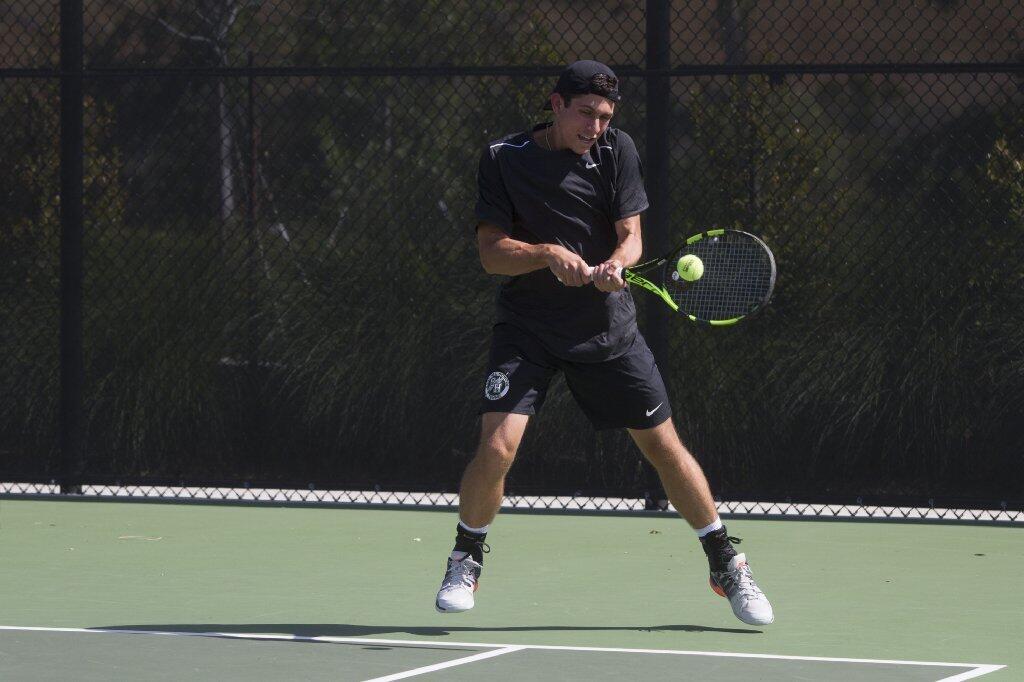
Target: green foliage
761,150
755,163
30,248
380,313
310,324
334,327
889,361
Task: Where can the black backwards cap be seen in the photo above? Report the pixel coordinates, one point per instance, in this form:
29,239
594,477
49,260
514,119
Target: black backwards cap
575,80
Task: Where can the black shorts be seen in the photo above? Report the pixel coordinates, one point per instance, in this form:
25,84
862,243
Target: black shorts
626,391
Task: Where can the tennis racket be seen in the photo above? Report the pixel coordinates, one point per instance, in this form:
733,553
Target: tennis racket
738,279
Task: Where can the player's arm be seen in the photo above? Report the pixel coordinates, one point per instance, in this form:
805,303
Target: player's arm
630,247
500,254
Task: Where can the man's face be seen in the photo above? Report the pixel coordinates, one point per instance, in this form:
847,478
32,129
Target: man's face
583,121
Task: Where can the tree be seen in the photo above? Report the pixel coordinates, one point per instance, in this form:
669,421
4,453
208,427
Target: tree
211,23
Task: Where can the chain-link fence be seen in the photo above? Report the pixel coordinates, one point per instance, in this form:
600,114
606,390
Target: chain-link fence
273,279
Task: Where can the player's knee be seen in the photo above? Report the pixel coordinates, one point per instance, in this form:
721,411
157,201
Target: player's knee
665,455
496,454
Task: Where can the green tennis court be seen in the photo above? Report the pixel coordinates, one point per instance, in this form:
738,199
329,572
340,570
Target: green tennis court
121,590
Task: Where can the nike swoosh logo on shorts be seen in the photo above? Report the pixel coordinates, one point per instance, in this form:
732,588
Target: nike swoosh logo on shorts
652,411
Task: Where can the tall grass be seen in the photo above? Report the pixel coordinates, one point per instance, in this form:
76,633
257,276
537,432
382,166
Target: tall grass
340,339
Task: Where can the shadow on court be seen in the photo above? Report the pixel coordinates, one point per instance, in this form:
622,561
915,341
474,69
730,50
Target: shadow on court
351,630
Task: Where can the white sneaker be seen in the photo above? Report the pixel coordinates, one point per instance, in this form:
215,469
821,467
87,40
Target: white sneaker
460,582
737,585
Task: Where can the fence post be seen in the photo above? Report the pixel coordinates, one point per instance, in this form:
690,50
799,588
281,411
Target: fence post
253,373
72,372
656,228
251,207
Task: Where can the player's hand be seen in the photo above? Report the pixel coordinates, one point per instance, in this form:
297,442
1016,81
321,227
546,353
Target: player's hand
568,267
606,276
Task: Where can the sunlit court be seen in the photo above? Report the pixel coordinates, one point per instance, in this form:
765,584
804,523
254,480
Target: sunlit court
117,590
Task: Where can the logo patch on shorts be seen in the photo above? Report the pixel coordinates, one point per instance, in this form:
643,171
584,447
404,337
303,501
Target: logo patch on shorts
496,386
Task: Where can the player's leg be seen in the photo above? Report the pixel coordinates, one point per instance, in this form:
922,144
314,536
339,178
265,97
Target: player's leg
519,372
483,481
687,488
628,391
681,476
483,485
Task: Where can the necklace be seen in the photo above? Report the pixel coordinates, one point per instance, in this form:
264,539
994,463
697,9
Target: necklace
547,140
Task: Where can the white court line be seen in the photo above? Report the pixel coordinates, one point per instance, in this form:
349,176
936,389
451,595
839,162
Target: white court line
971,674
447,664
978,669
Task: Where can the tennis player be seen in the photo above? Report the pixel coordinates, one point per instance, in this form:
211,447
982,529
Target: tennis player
552,201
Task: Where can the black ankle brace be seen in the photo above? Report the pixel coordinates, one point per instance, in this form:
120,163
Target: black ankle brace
718,548
471,543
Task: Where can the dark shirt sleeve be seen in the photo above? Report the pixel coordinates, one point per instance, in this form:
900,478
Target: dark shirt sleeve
493,204
630,196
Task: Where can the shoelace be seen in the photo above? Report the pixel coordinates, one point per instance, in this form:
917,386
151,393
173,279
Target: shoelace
745,582
724,558
460,573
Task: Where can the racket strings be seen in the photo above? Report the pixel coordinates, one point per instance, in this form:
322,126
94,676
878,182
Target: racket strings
738,279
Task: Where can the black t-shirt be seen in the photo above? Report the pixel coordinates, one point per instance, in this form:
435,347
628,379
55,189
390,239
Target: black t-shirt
540,196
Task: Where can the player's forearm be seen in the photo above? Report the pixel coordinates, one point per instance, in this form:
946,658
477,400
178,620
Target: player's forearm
627,253
630,246
512,257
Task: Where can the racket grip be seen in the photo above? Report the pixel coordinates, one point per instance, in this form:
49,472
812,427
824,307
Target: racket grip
590,273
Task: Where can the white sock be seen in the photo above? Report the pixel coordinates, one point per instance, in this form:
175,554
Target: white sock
482,530
715,525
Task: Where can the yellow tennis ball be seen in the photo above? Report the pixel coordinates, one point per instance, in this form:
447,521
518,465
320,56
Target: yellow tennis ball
690,267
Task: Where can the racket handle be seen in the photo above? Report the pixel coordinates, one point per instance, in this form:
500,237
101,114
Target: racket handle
590,273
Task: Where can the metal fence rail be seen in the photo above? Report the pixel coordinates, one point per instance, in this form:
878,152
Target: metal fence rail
225,226
857,510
